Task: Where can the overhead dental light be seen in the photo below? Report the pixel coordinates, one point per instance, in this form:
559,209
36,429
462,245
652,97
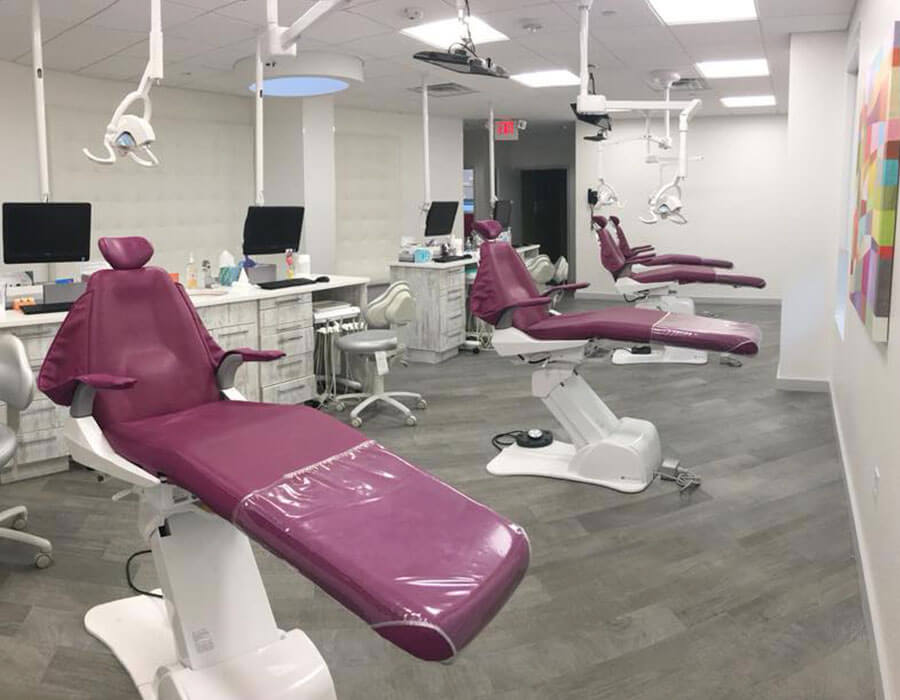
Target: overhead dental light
665,203
130,134
461,55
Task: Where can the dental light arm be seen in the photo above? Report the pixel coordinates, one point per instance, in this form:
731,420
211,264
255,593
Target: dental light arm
606,193
130,134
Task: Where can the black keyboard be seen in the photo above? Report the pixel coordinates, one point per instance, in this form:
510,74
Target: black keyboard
46,308
451,258
293,282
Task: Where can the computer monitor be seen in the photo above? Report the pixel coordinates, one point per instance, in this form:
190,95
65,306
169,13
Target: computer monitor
441,216
271,230
43,232
502,212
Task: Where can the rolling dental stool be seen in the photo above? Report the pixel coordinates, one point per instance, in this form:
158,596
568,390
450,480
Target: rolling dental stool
17,391
377,347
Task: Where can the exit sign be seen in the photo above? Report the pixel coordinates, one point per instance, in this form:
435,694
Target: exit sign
506,130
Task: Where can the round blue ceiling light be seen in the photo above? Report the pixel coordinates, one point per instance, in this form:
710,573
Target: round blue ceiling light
300,86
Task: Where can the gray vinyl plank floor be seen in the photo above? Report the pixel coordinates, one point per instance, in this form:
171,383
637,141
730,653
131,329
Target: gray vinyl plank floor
746,589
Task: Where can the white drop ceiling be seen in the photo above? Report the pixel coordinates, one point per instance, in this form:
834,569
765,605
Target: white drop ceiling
204,38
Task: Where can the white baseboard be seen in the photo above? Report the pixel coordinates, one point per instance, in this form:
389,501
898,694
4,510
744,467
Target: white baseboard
819,386
737,301
872,619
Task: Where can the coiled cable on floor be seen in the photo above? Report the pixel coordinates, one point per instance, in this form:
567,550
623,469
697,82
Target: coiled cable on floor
503,440
131,583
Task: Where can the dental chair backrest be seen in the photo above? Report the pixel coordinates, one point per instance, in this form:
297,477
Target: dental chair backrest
488,229
610,255
502,281
149,331
395,306
620,236
541,269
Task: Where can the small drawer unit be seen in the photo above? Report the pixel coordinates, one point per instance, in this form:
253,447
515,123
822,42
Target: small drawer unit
293,392
286,324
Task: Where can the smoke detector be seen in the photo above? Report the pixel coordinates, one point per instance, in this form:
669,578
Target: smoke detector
662,79
413,14
532,26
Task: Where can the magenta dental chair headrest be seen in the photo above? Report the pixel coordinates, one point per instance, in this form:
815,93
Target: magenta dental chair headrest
616,220
600,220
488,229
126,252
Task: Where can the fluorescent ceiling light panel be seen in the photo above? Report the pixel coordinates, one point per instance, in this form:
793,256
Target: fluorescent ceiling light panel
675,12
548,78
744,68
749,101
444,33
300,86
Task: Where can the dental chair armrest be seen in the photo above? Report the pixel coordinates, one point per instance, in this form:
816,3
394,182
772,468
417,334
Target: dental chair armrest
640,249
505,318
644,259
565,288
233,359
86,387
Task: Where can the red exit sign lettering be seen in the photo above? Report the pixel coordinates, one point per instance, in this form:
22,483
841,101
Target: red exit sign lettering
506,130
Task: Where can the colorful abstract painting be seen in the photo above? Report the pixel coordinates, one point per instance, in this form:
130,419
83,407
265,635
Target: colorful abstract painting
877,170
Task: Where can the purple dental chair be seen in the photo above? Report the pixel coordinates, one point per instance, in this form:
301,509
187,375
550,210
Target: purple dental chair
623,454
658,287
153,403
645,255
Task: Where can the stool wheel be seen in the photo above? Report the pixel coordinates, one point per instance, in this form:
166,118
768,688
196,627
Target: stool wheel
42,560
356,421
20,523
411,420
422,403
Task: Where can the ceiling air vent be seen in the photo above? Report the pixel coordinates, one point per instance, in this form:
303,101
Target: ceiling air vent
690,85
446,90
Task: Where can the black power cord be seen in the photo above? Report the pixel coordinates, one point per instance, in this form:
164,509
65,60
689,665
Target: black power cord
523,438
131,583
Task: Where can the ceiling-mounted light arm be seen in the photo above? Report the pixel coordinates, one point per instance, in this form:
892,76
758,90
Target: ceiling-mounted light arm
282,41
426,147
606,193
491,159
584,9
259,143
130,134
40,110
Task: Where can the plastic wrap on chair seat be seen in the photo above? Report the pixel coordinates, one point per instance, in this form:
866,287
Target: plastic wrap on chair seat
633,325
687,274
423,564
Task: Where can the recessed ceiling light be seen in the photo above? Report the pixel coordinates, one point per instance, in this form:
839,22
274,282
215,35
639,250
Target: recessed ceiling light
675,12
749,101
547,78
744,68
444,33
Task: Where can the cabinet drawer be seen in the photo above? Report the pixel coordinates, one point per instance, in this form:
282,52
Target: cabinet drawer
232,337
293,392
453,340
294,341
37,340
42,414
40,445
246,381
286,369
222,315
287,312
453,278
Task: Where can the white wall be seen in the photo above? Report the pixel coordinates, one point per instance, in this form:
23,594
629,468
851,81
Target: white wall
380,183
194,201
814,206
732,200
866,395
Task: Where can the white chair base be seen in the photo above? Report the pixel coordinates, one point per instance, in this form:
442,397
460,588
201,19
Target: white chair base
213,636
388,397
667,354
17,517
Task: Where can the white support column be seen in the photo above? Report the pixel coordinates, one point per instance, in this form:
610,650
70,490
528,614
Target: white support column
319,190
426,141
491,159
259,160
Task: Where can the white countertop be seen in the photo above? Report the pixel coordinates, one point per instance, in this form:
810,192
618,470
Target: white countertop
456,264
16,319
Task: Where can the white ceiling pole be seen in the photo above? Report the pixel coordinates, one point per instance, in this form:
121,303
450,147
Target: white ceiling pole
426,142
492,160
259,163
314,13
584,9
40,110
155,68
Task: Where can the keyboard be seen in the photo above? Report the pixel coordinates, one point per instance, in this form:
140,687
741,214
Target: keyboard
46,308
451,258
293,282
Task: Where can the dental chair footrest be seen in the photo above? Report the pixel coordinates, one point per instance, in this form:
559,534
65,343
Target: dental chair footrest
667,354
137,630
625,461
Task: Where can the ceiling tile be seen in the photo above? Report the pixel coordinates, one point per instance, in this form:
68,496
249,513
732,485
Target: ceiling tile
255,12
215,29
741,35
794,8
70,10
15,35
644,47
134,15
174,49
118,67
549,16
390,12
224,57
390,45
340,27
86,44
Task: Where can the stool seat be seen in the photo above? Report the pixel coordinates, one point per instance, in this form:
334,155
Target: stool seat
367,342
